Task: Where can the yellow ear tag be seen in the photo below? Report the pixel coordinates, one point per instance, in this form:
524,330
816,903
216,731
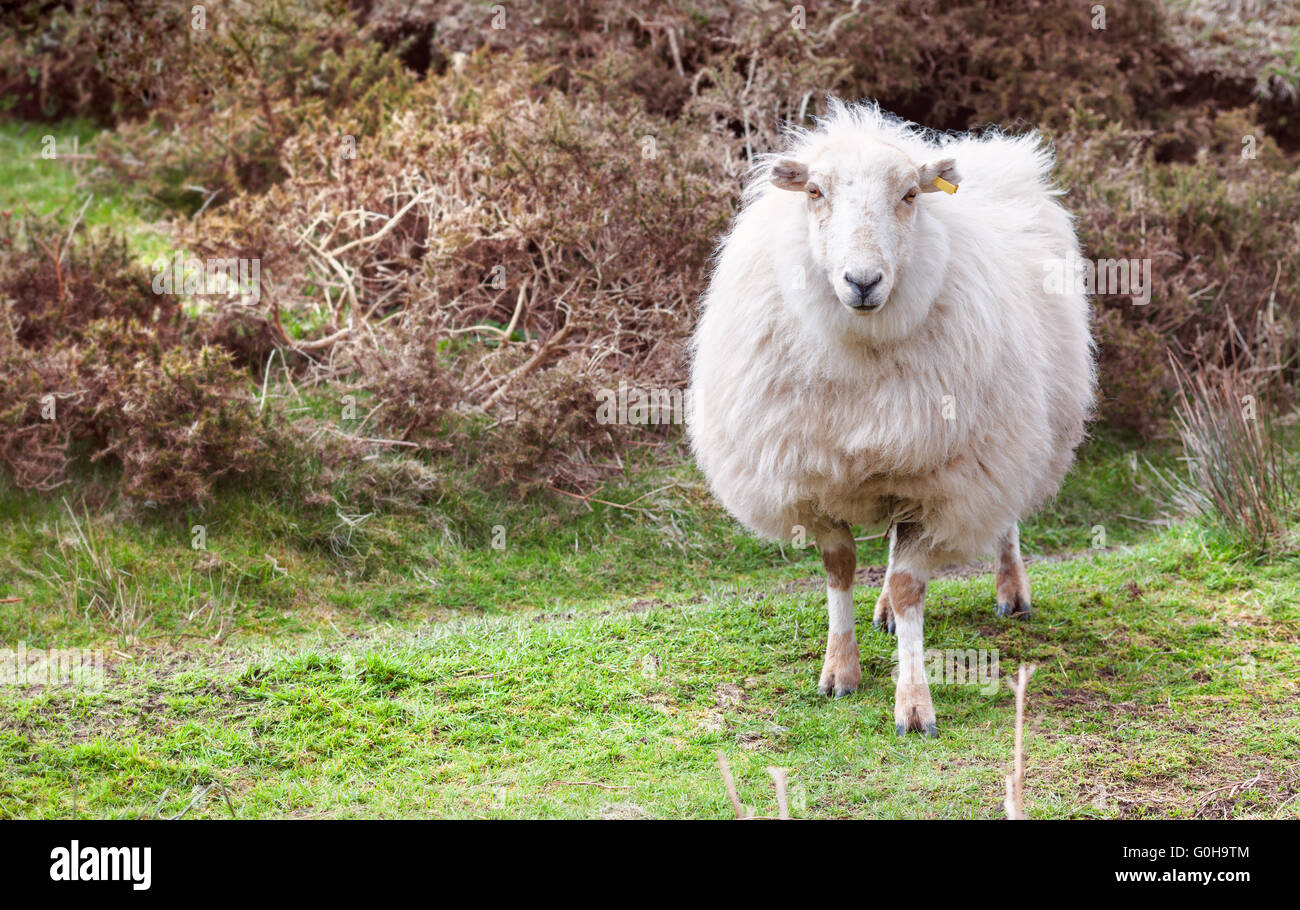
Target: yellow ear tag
944,185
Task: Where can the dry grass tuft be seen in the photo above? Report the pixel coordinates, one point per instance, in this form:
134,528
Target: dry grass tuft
1238,476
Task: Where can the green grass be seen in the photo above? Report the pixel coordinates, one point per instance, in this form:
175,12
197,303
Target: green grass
283,568
59,185
1166,675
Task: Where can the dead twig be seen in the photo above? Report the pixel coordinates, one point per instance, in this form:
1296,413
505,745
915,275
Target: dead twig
730,783
379,234
542,353
782,797
779,776
587,783
603,502
1015,801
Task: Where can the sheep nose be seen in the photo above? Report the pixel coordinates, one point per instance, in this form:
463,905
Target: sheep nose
864,285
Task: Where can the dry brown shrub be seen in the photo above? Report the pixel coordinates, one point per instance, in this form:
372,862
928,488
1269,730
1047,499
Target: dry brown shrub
58,288
511,202
1216,231
177,419
200,114
497,229
93,363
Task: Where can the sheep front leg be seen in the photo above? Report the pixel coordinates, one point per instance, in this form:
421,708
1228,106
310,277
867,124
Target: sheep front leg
842,669
1012,580
909,572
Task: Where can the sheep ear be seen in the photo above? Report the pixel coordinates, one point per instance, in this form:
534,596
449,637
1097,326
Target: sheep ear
789,174
944,169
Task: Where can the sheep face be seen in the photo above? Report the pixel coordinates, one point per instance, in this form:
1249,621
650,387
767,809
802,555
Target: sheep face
862,214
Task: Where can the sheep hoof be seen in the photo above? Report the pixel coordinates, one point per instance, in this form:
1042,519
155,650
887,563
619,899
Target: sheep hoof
842,670
834,690
886,626
840,682
931,730
913,710
1016,609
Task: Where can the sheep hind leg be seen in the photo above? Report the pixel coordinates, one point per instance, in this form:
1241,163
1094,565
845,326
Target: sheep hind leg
909,573
883,617
842,669
1012,580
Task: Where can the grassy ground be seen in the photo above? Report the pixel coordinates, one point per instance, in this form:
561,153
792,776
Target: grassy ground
475,655
1166,688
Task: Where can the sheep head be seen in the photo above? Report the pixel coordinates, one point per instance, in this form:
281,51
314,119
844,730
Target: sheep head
862,213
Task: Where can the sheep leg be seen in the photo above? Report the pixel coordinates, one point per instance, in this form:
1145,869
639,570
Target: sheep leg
909,572
884,614
1012,581
883,617
842,669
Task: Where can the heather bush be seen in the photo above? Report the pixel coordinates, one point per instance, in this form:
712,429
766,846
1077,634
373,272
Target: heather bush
1216,231
93,362
201,98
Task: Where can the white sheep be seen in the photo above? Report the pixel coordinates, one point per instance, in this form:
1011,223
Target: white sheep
873,352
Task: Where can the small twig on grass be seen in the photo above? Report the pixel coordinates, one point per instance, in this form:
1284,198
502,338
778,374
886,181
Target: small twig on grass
1290,799
782,797
1234,789
742,811
198,796
603,502
730,783
586,783
161,799
1015,801
371,440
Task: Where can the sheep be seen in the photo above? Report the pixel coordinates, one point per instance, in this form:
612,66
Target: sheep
873,352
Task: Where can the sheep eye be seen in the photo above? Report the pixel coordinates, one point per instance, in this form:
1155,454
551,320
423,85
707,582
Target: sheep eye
814,192
910,197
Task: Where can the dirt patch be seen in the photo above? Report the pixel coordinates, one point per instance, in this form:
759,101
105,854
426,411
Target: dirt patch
1215,777
728,695
874,576
623,810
